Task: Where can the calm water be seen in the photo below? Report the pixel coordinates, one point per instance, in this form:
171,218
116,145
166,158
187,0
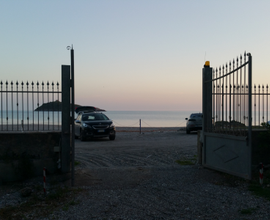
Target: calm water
31,117
120,118
149,118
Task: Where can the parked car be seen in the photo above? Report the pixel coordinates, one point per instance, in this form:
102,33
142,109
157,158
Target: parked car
92,123
194,122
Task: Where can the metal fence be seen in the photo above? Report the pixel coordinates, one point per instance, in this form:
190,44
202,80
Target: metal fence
231,111
230,99
260,102
30,106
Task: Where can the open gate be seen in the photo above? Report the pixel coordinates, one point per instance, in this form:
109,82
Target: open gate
227,121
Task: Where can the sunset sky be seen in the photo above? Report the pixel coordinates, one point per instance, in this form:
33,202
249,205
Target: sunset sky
132,55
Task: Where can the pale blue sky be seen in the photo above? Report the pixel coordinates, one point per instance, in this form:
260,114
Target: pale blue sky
132,55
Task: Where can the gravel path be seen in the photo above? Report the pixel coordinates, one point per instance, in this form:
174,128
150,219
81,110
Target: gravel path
137,177
167,193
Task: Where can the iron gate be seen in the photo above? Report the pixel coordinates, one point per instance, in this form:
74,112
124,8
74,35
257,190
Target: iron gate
30,106
41,107
227,122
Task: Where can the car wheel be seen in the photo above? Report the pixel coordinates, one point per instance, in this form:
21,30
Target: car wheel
112,137
188,131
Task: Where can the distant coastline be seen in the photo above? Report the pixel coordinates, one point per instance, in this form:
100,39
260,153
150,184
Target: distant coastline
52,106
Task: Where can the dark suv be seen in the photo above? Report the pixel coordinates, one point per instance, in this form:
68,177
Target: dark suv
92,123
194,122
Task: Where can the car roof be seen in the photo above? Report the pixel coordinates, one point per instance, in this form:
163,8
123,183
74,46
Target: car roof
86,112
85,109
195,114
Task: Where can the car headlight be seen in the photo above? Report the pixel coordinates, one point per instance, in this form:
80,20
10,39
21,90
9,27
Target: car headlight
112,125
85,125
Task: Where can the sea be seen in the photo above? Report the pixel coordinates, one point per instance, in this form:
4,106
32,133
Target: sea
120,118
149,118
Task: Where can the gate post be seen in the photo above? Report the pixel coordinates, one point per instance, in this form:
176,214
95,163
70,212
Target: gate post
65,145
207,103
250,112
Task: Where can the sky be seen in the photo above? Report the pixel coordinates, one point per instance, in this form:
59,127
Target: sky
132,55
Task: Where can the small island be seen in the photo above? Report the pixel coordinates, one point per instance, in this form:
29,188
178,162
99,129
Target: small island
53,106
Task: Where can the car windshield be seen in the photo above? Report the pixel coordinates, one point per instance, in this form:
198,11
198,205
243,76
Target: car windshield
94,117
195,116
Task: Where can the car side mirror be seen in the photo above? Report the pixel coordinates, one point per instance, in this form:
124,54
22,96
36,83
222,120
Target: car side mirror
77,121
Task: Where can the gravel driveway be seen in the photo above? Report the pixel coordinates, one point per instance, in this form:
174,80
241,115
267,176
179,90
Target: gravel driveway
137,177
140,176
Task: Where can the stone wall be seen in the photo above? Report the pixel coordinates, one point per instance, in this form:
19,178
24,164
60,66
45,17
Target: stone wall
260,147
24,155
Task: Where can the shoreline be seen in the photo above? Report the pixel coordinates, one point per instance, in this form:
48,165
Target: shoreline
149,129
57,128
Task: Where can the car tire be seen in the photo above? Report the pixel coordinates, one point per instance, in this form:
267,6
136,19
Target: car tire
188,131
112,137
